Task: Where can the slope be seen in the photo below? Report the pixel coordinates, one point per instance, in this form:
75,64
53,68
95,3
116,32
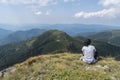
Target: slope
20,36
56,41
52,41
4,33
62,66
111,37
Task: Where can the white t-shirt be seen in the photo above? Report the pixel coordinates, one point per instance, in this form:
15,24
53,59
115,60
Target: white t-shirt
88,52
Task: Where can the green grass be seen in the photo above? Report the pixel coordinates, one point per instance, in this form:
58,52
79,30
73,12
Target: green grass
65,66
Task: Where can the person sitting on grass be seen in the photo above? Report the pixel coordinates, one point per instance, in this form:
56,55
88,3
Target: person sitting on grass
89,53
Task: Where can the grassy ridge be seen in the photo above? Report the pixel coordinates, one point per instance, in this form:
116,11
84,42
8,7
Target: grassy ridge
65,66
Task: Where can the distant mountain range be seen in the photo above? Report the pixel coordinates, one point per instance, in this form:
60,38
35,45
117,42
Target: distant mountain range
71,29
20,36
74,29
25,32
111,36
52,41
4,33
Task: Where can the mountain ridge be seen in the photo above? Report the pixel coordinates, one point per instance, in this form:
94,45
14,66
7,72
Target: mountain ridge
110,36
52,41
4,33
21,36
18,52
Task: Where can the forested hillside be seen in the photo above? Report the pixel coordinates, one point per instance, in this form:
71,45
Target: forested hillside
112,37
53,41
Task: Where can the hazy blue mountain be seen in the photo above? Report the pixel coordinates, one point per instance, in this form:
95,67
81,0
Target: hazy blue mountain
4,33
72,29
20,36
112,37
52,41
10,27
86,34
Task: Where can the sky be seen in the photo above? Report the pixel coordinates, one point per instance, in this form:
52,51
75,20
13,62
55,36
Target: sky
105,12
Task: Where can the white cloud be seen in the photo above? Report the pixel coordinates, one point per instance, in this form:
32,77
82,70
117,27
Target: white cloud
110,2
111,10
40,2
103,13
48,13
17,1
66,0
38,13
26,2
34,5
69,0
46,2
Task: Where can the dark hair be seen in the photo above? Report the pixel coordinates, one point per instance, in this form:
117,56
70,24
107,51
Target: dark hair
87,42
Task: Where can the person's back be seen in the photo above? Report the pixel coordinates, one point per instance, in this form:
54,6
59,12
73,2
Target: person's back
88,52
